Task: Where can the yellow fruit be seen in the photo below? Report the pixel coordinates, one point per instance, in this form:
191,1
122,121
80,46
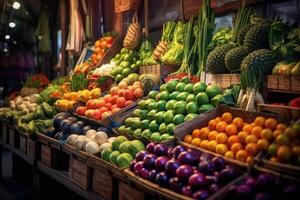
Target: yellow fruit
262,144
196,142
212,145
221,149
282,140
242,136
238,122
251,139
212,135
221,138
271,123
221,126
236,147
241,155
231,129
284,154
204,144
259,121
256,131
188,138
229,154
266,134
251,149
227,117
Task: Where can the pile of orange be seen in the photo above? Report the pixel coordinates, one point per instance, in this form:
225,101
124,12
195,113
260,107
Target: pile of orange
232,137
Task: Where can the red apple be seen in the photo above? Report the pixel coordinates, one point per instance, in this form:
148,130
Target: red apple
107,98
108,105
106,114
121,102
121,92
138,93
114,106
97,114
128,102
114,99
80,110
104,109
114,90
89,113
128,95
90,104
115,110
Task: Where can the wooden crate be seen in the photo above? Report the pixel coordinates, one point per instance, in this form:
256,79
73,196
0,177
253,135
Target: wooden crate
161,70
272,82
295,83
80,172
128,193
284,83
14,138
23,143
31,148
103,183
4,131
225,80
286,112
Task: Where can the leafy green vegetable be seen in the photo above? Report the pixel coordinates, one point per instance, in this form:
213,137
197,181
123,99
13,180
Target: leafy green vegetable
45,95
78,82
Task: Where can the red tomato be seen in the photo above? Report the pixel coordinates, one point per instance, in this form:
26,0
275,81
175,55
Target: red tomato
114,90
114,99
109,39
108,105
128,94
106,114
104,109
97,114
121,102
138,93
127,103
90,104
99,103
80,110
115,110
114,106
107,98
121,92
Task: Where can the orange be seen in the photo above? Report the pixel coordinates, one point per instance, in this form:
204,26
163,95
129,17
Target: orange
227,117
284,154
212,124
196,142
273,159
250,160
238,122
276,133
188,139
256,131
248,128
231,129
281,126
221,138
262,144
236,147
266,134
212,135
290,132
221,149
271,123
212,145
259,121
229,154
251,149
218,119
204,133
220,127
282,140
251,139
296,150
241,155
196,133
233,139
204,144
272,150
242,136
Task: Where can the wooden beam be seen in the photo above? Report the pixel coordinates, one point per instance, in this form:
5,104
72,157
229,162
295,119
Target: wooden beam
146,4
63,18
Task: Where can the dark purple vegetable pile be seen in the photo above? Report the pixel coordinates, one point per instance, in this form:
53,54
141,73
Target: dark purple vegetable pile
183,170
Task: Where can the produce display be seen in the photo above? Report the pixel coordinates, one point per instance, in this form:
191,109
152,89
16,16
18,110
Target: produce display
182,170
133,35
34,84
175,103
234,138
263,186
119,97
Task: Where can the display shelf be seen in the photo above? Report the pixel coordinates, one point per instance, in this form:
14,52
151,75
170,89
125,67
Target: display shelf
62,178
283,91
19,153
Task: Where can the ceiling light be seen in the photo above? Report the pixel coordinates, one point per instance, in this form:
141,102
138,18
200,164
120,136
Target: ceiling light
16,5
12,24
7,37
15,42
5,50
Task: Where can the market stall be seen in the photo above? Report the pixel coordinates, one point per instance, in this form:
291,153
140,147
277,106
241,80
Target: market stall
210,110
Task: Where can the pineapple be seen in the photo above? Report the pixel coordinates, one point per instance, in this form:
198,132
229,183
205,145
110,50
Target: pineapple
133,35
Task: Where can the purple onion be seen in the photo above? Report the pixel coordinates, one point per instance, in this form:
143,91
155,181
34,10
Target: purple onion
177,150
162,179
161,150
150,147
132,164
214,188
149,161
171,166
144,173
201,194
152,175
140,155
197,181
184,172
175,184
188,158
219,163
160,163
187,191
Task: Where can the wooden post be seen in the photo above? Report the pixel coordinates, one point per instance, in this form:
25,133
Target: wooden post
146,5
63,18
